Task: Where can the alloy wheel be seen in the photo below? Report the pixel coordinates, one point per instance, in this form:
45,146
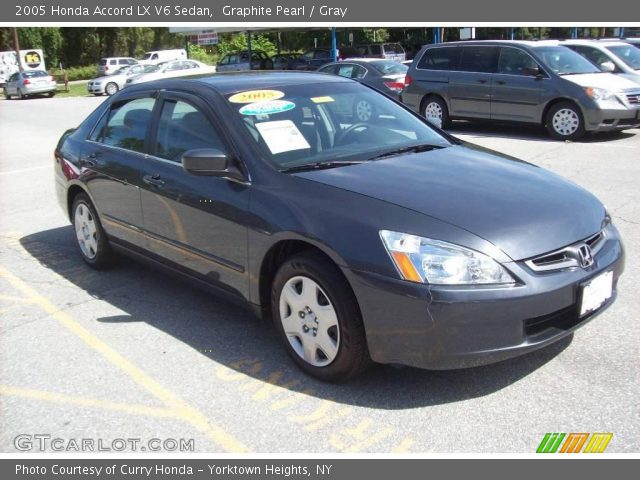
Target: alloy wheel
86,233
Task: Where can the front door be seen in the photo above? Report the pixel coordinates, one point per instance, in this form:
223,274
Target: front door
196,222
516,91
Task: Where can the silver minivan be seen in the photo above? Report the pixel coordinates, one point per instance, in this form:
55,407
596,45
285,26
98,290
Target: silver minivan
613,56
110,65
539,82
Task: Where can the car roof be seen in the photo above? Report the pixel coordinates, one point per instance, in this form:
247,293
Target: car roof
232,82
365,60
524,43
595,43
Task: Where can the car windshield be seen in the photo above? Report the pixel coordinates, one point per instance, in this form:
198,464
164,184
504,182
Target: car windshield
628,54
564,61
147,56
388,67
329,123
122,71
153,68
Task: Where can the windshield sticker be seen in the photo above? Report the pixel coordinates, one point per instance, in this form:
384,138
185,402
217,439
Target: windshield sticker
256,96
267,108
322,99
282,136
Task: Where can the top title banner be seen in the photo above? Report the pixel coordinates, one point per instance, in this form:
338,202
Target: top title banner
330,12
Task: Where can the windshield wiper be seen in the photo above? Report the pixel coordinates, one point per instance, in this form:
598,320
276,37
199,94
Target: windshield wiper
425,147
319,166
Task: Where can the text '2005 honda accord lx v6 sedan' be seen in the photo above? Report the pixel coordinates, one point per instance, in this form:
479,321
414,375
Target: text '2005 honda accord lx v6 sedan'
382,241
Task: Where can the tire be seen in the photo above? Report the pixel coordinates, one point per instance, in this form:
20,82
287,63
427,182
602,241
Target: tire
90,236
111,88
6,94
434,106
564,121
51,94
328,323
363,110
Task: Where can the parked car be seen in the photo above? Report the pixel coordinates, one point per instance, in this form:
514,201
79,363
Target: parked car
386,241
312,59
385,75
110,65
176,68
111,84
612,56
237,62
283,61
28,83
539,82
390,51
158,56
633,41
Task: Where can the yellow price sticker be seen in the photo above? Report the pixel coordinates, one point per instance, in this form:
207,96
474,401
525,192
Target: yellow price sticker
253,96
322,99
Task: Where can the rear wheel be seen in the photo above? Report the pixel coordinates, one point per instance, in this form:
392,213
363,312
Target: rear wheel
363,110
564,121
435,107
90,236
111,88
318,319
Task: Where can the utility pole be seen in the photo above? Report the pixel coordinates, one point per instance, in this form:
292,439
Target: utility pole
16,46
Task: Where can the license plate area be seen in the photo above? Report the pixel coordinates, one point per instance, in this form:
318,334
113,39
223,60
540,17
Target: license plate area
595,292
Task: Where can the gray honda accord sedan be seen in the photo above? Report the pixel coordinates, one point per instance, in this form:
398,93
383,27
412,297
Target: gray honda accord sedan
385,240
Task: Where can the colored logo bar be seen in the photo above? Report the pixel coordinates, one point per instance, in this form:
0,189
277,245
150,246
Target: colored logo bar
574,443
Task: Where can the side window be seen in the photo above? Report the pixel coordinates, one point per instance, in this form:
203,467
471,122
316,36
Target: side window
328,69
154,56
346,70
515,62
174,66
127,123
123,61
358,72
183,127
224,60
440,59
375,49
594,55
479,59
113,62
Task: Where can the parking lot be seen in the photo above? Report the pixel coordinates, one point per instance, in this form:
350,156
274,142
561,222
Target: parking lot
130,353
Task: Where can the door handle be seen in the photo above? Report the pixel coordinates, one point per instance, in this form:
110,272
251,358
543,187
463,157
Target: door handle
480,80
154,180
500,82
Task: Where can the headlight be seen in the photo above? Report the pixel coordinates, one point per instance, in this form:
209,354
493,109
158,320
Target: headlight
600,93
420,259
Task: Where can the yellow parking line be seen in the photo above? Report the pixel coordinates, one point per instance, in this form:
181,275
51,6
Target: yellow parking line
191,415
53,397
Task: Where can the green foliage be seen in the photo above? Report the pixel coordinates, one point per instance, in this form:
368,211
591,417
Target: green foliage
196,52
238,42
81,73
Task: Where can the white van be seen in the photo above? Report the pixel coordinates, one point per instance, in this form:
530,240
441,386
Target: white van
158,56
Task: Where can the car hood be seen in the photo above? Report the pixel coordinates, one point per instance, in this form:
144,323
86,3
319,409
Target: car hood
604,80
522,209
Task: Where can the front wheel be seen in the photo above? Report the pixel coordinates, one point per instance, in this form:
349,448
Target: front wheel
564,121
318,319
111,88
90,236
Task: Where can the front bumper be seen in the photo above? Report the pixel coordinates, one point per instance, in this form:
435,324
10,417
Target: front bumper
95,88
612,119
442,327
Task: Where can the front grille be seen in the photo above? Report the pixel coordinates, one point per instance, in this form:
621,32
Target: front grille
566,257
633,98
564,319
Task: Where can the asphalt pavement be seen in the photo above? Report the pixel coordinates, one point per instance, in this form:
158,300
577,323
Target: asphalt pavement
132,354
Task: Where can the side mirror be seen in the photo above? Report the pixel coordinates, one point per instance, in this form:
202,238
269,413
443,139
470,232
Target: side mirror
211,162
607,66
533,71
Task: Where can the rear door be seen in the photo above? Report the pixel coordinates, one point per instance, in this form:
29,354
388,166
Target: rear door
516,93
114,155
470,86
196,222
